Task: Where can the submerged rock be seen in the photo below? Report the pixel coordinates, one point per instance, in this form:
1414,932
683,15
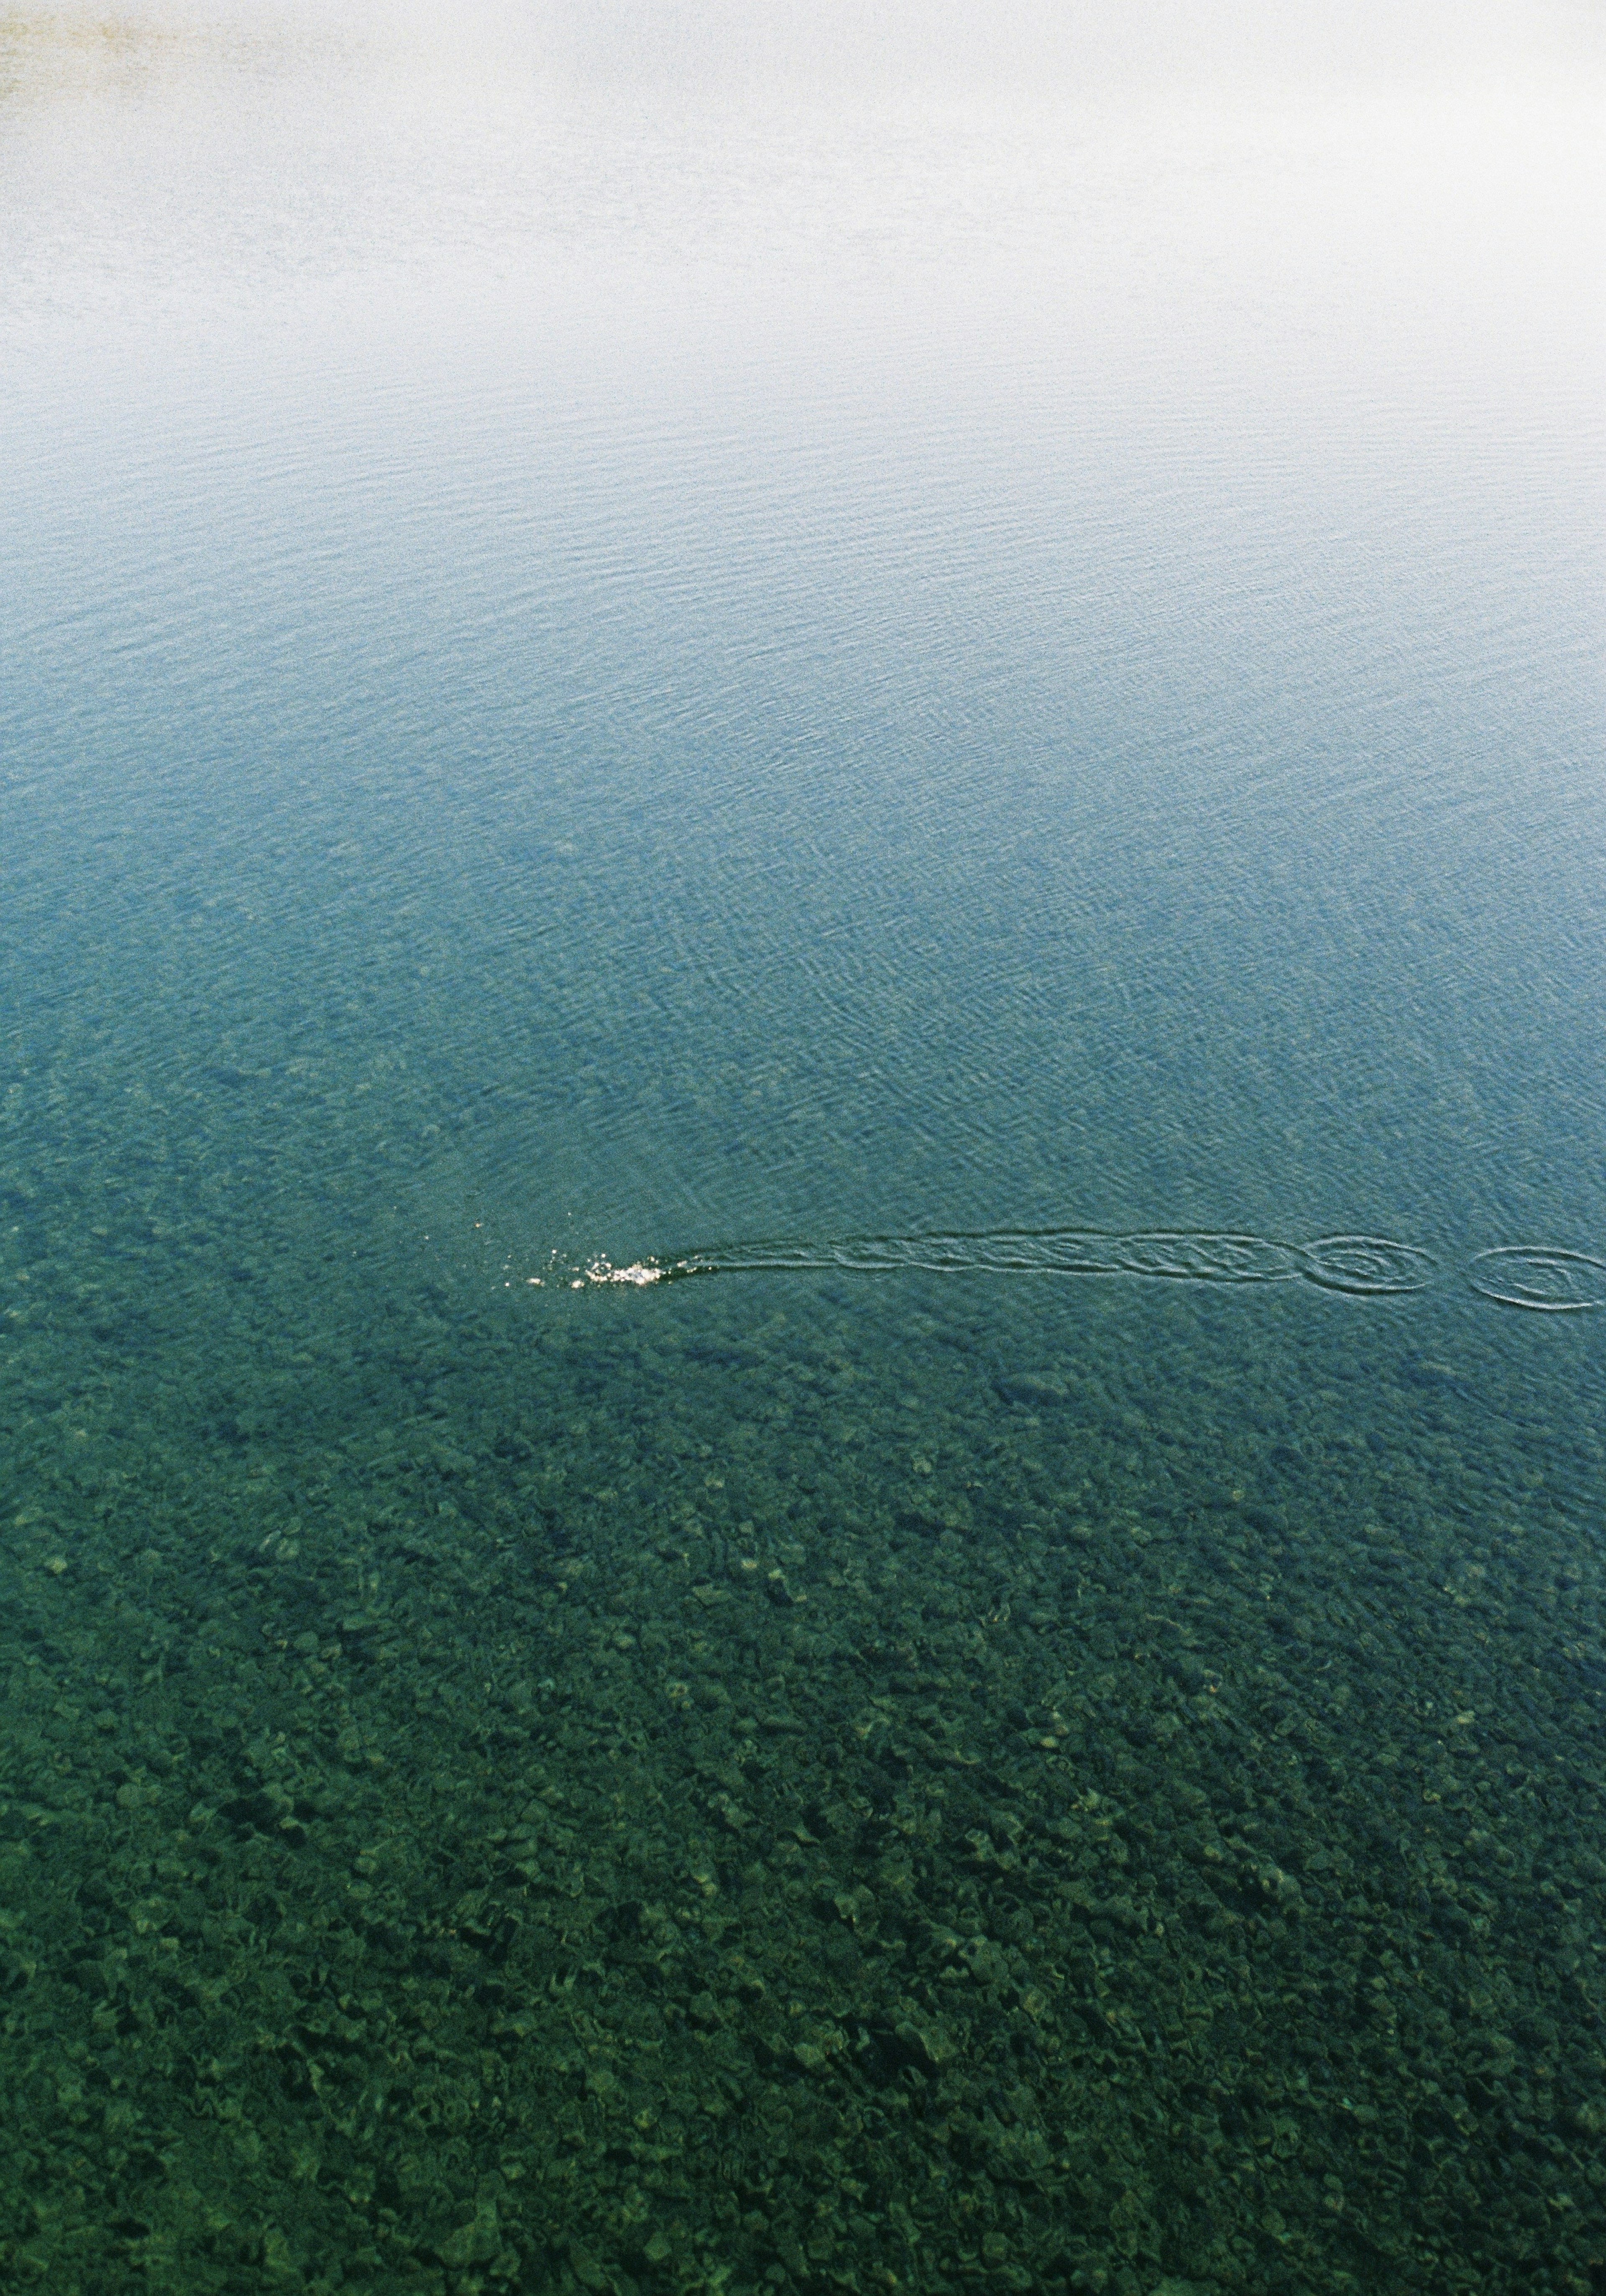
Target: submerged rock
1031,1390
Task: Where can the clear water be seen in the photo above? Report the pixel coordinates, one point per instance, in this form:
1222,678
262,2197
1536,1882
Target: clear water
951,682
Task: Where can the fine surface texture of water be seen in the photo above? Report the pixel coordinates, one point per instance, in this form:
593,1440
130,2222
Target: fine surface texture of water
801,1213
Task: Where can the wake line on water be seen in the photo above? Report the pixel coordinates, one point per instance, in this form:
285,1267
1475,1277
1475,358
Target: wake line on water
1546,1279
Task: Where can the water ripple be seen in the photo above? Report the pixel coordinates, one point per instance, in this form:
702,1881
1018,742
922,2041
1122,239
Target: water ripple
1552,1280
1540,1277
1355,1264
1207,1259
1368,1265
1535,1276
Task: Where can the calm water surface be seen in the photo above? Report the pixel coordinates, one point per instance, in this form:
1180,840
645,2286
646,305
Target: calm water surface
951,686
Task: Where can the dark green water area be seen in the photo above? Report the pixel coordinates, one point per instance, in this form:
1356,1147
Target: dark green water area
802,1235
748,1787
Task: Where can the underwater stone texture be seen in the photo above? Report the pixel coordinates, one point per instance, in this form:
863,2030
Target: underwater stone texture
786,1783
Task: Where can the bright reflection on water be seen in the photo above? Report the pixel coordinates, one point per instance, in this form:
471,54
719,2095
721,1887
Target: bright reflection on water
951,670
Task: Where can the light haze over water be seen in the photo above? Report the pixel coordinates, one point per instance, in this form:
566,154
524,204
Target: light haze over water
686,530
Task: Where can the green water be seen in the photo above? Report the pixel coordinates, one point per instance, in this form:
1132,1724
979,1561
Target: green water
801,1209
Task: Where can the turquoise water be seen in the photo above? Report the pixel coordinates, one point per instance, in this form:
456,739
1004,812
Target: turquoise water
950,689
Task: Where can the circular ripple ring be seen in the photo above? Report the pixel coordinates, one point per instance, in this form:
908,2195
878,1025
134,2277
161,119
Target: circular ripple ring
1368,1265
1499,1274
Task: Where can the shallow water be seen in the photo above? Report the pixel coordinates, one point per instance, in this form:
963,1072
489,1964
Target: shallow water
951,686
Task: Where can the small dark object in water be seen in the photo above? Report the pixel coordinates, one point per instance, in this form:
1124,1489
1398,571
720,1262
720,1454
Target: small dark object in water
1029,1392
